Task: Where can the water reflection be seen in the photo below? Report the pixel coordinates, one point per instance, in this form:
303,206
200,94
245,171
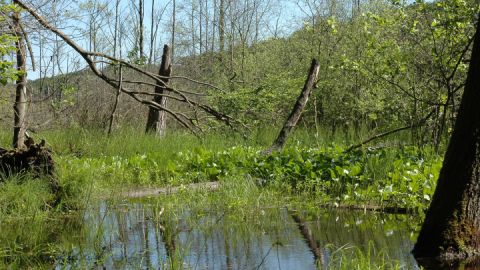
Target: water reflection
140,236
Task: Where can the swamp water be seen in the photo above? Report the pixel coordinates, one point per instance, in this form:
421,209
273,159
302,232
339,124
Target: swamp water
141,235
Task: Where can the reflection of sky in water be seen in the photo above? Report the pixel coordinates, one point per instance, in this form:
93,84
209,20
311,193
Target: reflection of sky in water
132,238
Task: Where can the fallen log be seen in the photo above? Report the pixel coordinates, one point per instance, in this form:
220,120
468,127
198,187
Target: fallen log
208,186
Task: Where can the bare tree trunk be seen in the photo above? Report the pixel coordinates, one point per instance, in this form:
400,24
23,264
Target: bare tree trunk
221,27
116,28
192,21
20,106
141,13
117,99
200,26
451,230
152,34
214,28
157,121
297,109
174,15
206,25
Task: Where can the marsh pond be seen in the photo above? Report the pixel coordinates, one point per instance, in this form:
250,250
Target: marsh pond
140,234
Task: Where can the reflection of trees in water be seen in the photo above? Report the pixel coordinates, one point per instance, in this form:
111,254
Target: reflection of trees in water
309,239
325,231
140,236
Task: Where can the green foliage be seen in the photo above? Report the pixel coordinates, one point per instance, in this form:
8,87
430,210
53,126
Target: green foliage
253,187
7,45
387,177
134,58
67,98
89,163
385,66
271,100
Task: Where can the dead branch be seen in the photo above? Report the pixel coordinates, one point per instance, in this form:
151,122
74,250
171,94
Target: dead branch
381,135
166,88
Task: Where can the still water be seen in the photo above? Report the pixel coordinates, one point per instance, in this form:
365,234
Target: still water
139,235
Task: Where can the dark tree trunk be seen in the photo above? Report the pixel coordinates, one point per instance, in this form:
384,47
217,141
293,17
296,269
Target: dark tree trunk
117,100
297,109
141,13
156,121
20,106
451,230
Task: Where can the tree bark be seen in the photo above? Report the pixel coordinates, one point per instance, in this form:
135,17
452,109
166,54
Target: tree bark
451,230
157,121
297,109
20,106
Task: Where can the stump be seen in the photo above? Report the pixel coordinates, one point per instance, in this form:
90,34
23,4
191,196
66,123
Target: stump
35,159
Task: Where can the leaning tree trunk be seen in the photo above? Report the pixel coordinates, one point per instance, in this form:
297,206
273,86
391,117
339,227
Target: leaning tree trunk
297,109
20,106
451,230
157,121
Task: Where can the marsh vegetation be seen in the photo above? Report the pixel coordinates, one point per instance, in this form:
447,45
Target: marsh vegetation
257,218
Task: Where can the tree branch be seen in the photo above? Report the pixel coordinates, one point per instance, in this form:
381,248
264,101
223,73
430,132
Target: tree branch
381,135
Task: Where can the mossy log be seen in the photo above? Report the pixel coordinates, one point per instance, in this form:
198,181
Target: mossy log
34,159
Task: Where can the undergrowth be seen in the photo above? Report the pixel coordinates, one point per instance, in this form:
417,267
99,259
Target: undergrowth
394,177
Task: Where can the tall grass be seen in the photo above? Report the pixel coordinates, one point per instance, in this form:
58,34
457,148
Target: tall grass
353,258
23,197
